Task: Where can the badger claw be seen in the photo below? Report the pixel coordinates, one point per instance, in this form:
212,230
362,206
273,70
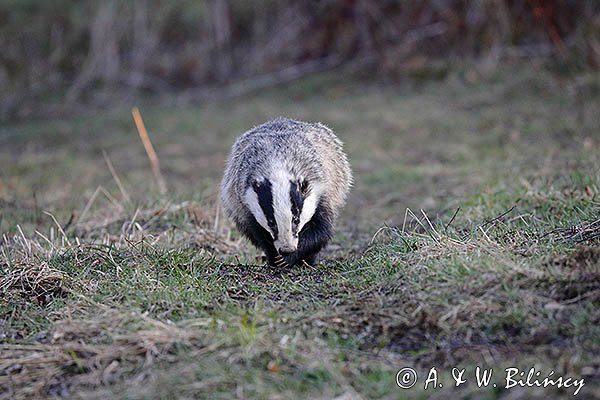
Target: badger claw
280,261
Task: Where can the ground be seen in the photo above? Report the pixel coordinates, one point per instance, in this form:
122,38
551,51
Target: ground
470,238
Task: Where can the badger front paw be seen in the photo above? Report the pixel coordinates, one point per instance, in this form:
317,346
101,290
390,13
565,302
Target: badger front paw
280,262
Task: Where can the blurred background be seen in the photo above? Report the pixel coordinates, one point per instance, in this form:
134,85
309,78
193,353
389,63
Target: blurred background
470,236
61,57
455,97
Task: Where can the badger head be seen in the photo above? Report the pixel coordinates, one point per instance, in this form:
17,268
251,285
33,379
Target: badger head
282,204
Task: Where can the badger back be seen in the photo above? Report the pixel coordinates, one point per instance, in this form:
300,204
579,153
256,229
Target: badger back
334,163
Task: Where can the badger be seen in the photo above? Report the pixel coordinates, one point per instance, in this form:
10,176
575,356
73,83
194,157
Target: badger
284,184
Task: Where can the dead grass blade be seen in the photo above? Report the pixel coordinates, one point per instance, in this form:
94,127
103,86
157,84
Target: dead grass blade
60,229
116,177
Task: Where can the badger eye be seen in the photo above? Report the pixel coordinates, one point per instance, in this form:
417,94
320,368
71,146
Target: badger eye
303,186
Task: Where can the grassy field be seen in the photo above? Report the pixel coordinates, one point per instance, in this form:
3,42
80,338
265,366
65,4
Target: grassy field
470,239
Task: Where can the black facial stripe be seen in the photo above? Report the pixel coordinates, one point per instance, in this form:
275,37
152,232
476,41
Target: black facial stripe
297,201
265,200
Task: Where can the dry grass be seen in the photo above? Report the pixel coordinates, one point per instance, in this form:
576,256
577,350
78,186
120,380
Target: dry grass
119,292
507,305
101,350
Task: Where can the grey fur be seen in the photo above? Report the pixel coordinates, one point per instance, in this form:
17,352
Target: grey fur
308,150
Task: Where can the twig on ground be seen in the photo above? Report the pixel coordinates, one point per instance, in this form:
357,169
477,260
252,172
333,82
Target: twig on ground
154,163
451,220
497,218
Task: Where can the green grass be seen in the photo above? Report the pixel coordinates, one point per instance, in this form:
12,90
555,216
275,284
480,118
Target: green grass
495,264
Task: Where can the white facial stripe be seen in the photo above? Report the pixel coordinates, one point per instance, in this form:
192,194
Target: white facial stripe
252,202
282,206
309,207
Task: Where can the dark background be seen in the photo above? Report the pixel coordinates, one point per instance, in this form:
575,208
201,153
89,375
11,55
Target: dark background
60,56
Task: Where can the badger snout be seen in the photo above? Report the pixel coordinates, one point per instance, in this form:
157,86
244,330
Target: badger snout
286,248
